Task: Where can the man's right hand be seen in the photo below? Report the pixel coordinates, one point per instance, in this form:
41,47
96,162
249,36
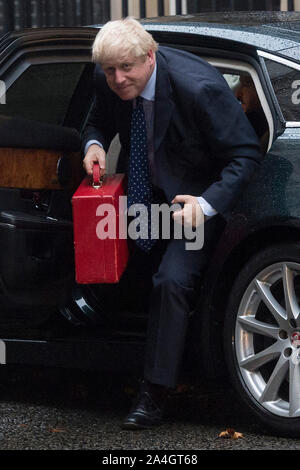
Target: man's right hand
94,154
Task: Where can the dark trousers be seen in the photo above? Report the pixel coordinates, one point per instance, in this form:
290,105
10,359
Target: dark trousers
172,275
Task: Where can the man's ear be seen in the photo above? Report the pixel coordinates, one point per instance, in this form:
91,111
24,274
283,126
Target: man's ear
151,57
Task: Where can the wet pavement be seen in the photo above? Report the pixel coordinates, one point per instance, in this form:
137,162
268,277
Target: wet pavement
57,409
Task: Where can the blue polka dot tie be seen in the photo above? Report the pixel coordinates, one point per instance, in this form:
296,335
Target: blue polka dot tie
139,183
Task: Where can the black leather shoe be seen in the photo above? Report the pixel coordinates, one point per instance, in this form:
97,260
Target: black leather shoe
144,413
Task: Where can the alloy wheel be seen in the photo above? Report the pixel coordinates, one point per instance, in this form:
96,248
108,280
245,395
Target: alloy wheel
267,339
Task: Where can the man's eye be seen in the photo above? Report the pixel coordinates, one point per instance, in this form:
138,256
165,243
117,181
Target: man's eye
126,66
109,71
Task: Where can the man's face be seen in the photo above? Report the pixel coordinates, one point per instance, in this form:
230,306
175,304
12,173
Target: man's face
247,95
127,77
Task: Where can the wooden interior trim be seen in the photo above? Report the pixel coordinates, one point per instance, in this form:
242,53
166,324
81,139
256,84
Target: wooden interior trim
36,168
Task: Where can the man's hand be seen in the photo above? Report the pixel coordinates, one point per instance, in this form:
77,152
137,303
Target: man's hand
191,214
94,154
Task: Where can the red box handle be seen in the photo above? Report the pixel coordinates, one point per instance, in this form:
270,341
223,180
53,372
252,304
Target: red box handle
97,177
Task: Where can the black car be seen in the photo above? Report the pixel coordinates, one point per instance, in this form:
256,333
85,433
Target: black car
247,323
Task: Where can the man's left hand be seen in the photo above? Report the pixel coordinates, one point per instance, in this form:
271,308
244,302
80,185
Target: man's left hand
191,214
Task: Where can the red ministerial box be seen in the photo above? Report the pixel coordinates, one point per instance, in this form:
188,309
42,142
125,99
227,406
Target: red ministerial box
100,258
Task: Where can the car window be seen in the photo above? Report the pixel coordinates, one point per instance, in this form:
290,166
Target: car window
244,89
43,92
286,84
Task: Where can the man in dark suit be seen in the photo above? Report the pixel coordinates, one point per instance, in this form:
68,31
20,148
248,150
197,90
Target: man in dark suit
201,151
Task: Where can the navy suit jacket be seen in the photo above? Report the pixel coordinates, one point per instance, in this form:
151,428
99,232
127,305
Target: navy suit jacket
203,142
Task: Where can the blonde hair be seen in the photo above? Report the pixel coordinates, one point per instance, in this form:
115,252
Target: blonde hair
122,38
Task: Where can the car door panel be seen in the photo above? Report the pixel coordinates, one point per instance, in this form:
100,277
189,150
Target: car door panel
37,253
277,182
40,168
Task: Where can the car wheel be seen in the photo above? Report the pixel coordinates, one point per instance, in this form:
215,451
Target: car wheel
262,337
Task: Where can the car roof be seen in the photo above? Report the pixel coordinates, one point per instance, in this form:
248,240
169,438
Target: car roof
277,32
274,32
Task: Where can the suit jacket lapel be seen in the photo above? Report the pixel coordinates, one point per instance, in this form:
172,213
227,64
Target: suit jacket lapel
123,116
163,101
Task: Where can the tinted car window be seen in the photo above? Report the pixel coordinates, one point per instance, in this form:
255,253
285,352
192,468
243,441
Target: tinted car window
286,84
43,92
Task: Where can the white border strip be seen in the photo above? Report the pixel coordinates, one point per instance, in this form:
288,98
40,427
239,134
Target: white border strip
291,124
2,352
281,60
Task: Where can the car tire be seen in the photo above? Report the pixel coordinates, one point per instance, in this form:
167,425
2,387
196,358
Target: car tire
262,337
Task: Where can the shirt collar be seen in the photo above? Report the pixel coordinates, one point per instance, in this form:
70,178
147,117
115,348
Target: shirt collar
148,92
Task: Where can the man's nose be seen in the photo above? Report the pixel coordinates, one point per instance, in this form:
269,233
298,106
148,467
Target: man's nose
119,77
238,93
